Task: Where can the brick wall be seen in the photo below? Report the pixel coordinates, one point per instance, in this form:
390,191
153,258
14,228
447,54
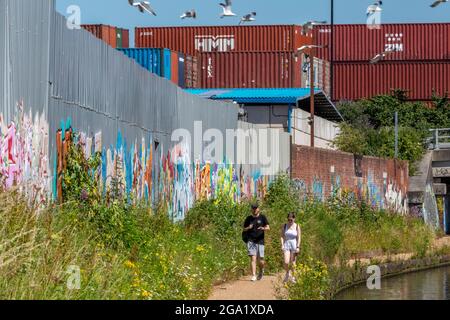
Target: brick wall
380,182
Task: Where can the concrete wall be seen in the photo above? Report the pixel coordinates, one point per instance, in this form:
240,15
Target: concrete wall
322,173
421,196
325,131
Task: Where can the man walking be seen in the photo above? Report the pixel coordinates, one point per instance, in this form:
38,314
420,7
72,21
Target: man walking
256,225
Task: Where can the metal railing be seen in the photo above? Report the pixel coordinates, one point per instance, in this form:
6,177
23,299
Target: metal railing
439,139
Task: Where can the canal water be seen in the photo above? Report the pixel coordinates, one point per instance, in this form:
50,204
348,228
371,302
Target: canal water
431,284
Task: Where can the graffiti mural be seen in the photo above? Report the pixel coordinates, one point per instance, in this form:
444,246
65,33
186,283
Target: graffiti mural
180,182
24,155
364,189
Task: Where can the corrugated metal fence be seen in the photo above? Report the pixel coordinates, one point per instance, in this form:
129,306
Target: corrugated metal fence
69,80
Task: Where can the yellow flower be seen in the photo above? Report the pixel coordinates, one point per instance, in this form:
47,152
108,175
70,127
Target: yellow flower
200,248
146,294
130,264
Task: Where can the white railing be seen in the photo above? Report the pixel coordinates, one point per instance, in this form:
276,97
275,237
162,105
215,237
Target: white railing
439,139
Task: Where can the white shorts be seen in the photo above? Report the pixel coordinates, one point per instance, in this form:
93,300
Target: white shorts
290,246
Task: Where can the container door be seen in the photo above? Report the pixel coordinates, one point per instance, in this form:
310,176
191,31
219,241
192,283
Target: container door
181,70
125,38
157,62
174,67
166,62
119,37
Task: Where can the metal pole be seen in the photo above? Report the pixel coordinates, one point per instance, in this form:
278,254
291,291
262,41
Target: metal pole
332,53
436,137
396,135
312,87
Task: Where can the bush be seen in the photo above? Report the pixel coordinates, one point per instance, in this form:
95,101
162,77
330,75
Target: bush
369,126
311,281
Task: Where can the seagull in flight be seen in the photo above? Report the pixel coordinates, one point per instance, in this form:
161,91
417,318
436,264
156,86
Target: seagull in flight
189,14
142,6
310,24
438,2
248,18
227,9
379,57
374,8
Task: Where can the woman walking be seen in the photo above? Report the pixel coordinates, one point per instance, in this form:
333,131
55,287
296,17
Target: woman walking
290,244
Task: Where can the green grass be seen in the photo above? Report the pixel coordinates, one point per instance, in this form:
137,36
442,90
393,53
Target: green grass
129,252
136,255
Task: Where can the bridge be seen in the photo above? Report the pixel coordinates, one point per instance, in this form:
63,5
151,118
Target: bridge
429,188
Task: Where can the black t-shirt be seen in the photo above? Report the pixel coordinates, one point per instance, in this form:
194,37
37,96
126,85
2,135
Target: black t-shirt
255,235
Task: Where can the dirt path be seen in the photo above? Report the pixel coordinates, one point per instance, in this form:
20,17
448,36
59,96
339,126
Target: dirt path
244,289
266,289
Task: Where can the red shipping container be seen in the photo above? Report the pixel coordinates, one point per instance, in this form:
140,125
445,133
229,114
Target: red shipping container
356,42
104,32
191,72
125,38
354,81
192,40
174,67
250,70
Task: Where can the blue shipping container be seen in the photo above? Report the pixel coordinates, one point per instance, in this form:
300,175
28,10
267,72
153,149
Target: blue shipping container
154,60
181,71
167,69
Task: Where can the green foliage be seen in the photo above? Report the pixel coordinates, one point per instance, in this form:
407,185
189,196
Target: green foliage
312,281
127,251
369,126
352,139
79,181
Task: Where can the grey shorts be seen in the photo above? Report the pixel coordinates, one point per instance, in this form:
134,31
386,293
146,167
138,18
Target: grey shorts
255,250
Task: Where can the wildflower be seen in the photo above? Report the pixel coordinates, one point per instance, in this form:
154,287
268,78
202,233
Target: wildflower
200,248
130,264
146,294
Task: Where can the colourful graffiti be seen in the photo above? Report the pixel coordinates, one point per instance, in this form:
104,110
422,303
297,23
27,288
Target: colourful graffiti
173,179
24,155
365,189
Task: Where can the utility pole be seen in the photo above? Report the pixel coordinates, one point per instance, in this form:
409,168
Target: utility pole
308,50
312,94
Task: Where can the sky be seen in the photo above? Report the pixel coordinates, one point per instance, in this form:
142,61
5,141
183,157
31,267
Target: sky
120,13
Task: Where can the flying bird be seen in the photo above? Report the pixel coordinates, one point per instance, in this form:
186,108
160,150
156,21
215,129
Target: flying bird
189,14
438,2
310,24
248,18
143,6
374,8
379,57
227,9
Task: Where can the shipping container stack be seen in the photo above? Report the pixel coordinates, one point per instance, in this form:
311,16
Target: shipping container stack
418,62
235,56
113,36
177,67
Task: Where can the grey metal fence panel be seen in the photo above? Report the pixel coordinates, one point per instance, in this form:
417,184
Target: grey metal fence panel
4,62
25,26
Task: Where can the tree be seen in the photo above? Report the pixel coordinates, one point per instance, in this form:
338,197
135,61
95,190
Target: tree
369,126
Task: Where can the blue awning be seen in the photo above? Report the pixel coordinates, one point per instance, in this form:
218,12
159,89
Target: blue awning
291,96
